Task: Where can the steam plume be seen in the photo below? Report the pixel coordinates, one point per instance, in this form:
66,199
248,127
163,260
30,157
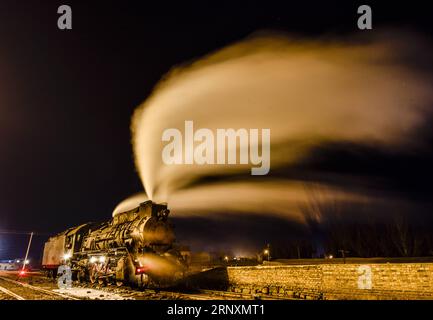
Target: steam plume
307,92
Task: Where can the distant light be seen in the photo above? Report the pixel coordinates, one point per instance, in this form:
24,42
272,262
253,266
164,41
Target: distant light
18,261
266,251
22,272
331,256
66,256
27,261
102,259
226,258
92,259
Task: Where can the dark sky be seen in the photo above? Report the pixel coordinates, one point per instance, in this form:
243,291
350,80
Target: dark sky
66,97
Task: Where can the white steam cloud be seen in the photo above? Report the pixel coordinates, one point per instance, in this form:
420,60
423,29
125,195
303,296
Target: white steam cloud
307,92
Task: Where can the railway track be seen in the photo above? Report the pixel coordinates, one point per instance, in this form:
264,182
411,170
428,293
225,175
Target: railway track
24,291
227,295
146,294
17,290
143,294
7,294
20,290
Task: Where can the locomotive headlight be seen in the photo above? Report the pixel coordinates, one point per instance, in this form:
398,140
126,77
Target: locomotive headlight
92,259
102,259
66,256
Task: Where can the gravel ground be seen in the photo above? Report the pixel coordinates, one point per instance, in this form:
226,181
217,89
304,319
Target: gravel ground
89,291
82,291
4,296
26,293
128,293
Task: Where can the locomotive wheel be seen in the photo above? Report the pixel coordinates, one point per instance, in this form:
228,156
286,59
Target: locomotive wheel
143,281
81,276
93,277
52,274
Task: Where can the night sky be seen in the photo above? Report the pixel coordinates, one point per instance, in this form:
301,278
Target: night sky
67,97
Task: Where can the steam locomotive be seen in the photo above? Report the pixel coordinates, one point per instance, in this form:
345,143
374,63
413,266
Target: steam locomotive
135,247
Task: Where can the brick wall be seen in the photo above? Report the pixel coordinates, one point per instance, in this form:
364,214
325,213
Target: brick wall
336,281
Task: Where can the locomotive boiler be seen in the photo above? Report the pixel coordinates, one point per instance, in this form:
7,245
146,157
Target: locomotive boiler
135,247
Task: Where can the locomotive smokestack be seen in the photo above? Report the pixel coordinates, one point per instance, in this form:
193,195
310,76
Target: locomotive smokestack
154,209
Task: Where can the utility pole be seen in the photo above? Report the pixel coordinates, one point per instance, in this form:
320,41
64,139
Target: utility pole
27,252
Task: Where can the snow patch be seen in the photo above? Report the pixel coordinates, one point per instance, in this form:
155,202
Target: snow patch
92,294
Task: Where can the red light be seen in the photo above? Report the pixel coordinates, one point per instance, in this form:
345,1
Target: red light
22,272
141,270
